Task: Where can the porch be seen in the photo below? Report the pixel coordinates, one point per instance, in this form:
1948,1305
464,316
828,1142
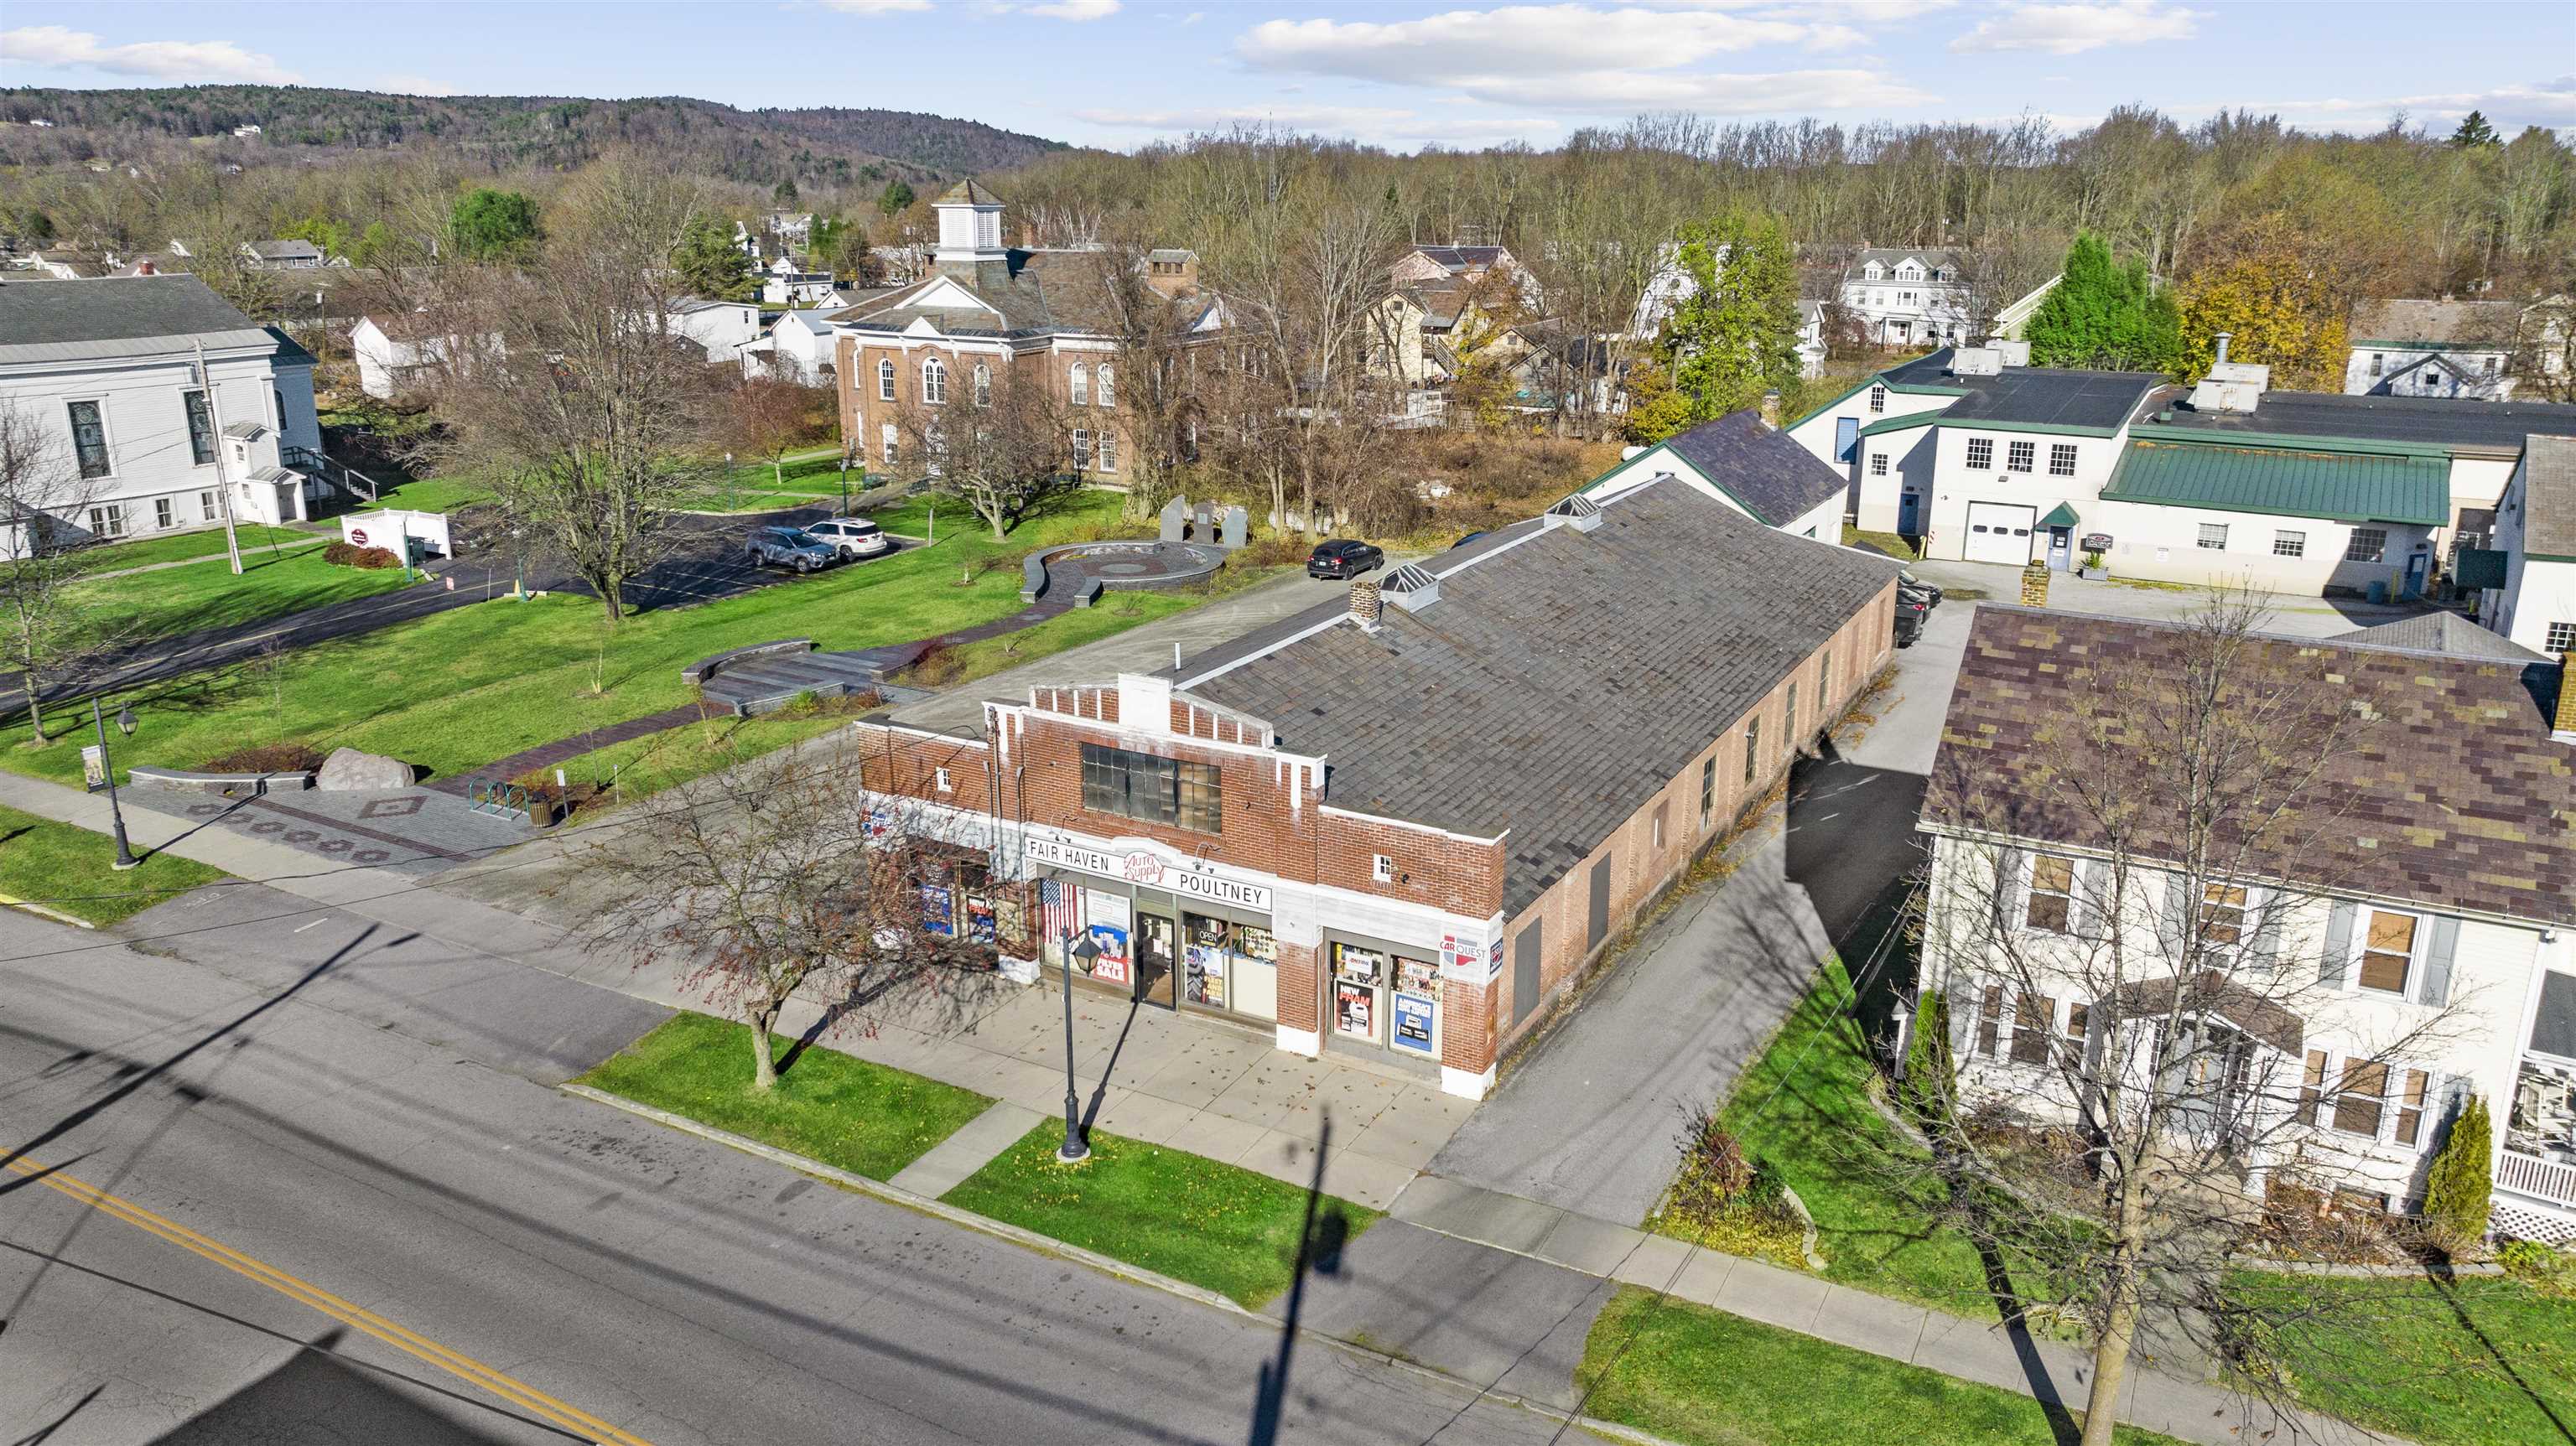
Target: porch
2535,1176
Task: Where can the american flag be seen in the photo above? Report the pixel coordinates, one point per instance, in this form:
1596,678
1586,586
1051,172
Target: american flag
1058,914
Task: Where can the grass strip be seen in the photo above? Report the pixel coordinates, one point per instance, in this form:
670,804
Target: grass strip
865,1118
1229,1229
186,599
1706,1378
68,869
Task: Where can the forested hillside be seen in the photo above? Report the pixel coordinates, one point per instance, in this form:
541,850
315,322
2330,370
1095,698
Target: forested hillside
830,146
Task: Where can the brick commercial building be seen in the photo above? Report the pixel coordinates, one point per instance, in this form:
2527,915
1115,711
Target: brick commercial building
1397,827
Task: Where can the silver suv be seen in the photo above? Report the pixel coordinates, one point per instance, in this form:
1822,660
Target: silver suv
851,536
789,547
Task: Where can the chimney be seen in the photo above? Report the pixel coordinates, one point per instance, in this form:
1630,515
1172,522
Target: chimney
2034,585
1366,605
2563,730
1771,410
2221,339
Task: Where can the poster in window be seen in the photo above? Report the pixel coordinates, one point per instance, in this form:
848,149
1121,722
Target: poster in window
1207,974
1414,1014
1107,919
1417,976
1354,1009
1361,966
979,919
1256,943
937,910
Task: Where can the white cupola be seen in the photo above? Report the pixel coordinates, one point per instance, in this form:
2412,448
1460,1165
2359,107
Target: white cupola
970,225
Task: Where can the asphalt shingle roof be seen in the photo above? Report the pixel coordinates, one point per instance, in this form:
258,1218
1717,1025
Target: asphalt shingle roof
118,309
1760,466
1561,678
2487,324
2424,421
2549,497
2448,792
2442,633
2031,396
1034,293
2341,486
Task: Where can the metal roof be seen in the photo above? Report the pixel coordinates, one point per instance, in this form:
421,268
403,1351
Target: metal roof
2549,497
2337,486
2446,422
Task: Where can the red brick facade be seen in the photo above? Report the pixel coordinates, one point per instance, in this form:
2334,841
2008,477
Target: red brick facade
866,411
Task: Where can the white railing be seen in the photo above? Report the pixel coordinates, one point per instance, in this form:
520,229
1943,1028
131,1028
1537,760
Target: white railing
2533,1176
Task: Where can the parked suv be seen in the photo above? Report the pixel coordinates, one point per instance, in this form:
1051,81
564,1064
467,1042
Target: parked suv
1344,557
789,547
851,536
1907,582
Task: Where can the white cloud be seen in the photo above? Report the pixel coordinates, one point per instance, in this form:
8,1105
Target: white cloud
1764,93
2073,29
1380,125
414,85
55,47
1194,17
2550,103
1521,40
875,7
1835,37
1076,9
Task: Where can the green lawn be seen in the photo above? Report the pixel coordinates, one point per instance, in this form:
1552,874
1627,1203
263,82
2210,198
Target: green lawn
1886,542
67,868
430,494
1803,1111
1703,1377
1211,1224
759,499
862,1117
457,690
209,595
1114,613
2481,1361
256,538
641,767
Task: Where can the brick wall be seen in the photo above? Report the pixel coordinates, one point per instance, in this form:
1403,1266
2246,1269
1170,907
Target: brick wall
864,412
1639,867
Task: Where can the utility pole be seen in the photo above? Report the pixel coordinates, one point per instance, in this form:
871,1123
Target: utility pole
223,478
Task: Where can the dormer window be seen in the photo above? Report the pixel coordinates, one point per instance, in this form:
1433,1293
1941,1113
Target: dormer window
1872,271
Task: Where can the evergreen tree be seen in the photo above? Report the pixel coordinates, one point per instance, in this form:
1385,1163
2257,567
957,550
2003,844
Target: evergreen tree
491,225
895,197
1930,1075
2105,315
1735,336
2474,131
785,194
710,265
2462,1177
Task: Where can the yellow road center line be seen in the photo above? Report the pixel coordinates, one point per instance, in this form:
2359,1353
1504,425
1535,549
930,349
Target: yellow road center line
402,1338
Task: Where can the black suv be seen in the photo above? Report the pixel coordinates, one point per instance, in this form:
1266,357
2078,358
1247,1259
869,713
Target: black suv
1345,557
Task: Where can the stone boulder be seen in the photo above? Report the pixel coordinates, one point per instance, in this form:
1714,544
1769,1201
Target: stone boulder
347,769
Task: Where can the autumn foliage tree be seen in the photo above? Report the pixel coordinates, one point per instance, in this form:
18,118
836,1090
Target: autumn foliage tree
2278,301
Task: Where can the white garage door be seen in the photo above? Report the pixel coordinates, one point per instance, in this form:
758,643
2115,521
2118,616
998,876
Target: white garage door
1999,532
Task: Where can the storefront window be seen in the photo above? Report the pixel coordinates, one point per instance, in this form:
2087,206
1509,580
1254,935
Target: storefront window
1358,975
1415,1010
1231,966
1387,998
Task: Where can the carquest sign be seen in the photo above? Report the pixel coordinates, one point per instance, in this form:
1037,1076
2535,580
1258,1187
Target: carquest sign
1142,867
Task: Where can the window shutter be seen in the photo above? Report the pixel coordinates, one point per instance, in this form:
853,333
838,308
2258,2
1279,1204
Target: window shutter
2338,956
2265,953
2088,914
2177,921
2009,885
2437,961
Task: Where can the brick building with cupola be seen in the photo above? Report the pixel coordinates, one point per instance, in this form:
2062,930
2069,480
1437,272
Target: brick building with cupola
1397,826
947,339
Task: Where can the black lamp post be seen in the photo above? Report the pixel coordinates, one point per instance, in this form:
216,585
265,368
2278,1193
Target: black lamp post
1073,1148
125,858
845,484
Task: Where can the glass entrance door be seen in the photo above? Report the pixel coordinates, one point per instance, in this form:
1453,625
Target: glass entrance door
1157,954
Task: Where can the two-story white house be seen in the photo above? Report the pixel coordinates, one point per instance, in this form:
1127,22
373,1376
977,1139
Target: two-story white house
2534,601
799,347
2337,988
163,399
2444,348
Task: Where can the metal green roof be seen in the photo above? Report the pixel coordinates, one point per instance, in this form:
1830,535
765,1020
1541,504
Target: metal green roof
2336,486
2062,515
1899,424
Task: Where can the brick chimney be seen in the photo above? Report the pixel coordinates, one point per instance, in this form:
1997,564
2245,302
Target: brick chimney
2034,585
2563,728
1366,606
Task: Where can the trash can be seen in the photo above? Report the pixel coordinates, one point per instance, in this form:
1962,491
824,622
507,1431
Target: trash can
2379,591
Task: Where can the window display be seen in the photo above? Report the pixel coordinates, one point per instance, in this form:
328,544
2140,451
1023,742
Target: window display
1106,917
1231,966
1415,1009
1358,974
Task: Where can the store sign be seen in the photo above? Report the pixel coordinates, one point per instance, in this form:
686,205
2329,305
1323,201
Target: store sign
2097,542
1149,870
1413,1023
1468,960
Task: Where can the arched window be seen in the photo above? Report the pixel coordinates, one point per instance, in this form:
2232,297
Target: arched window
934,381
1077,385
1108,386
983,385
885,380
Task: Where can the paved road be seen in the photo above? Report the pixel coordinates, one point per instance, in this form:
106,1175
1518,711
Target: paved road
363,1113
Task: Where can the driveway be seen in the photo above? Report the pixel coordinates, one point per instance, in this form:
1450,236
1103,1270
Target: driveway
1591,1118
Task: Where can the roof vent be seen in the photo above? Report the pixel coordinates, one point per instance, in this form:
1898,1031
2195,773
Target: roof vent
2009,352
1578,512
1411,587
1975,361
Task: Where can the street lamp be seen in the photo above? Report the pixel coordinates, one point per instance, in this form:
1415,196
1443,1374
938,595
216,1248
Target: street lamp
125,858
845,484
1073,1148
733,488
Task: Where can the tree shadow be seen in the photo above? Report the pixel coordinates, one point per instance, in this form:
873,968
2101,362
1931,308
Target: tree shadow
2447,1286
2034,1367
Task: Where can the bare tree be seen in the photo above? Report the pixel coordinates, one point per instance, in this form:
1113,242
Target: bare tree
768,417
571,388
47,626
775,878
2198,789
1001,439
1155,390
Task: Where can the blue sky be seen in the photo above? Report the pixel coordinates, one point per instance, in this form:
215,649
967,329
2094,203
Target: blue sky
1123,72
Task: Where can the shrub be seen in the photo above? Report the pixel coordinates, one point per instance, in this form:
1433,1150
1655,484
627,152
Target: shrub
2539,1266
2457,1188
343,554
1723,1200
1930,1076
266,758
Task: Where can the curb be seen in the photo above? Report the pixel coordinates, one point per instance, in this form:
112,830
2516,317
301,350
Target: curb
57,915
1048,1245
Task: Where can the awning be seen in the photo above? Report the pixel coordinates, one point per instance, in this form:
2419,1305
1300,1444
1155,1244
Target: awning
2062,515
